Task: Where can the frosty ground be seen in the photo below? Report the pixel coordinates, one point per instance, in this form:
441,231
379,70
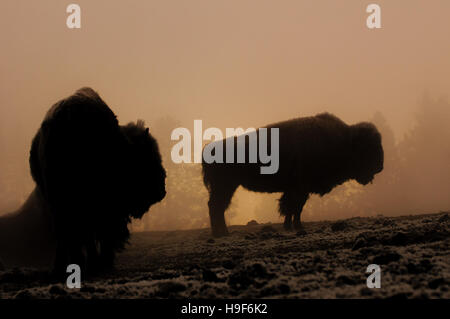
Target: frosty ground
327,260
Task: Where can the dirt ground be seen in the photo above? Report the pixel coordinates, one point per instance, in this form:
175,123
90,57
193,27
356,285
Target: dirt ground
327,260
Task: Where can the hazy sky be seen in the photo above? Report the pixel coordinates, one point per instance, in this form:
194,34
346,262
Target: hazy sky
230,63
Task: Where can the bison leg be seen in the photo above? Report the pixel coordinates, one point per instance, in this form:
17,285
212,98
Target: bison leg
107,255
287,222
61,260
289,206
68,253
93,257
219,200
62,256
301,202
71,243
287,209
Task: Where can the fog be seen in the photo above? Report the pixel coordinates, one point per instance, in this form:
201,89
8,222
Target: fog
243,64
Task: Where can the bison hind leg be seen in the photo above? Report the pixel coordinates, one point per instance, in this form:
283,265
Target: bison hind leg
219,200
291,206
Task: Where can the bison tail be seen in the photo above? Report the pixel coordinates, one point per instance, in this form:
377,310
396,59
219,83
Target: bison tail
206,172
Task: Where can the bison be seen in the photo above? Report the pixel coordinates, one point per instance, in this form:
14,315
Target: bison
94,176
26,235
315,155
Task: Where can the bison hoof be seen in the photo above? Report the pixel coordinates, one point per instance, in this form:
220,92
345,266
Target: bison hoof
298,227
220,232
287,227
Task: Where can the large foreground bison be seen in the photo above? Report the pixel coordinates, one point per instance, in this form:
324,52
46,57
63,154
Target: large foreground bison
315,155
94,176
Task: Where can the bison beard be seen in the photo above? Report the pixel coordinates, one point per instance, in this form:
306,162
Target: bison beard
316,154
94,176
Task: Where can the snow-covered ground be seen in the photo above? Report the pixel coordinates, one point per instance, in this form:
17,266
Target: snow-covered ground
328,260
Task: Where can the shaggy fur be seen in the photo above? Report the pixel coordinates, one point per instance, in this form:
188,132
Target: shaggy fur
94,176
316,154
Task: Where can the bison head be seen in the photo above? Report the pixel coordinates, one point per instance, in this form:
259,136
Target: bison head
367,152
147,175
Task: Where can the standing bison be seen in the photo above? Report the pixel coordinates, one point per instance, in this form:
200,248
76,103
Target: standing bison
315,155
94,176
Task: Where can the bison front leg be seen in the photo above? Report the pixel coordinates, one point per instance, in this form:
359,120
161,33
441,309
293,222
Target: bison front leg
287,208
287,222
61,260
219,200
301,202
68,252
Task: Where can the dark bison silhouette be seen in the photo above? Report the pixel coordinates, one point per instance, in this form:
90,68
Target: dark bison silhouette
94,176
26,235
315,155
